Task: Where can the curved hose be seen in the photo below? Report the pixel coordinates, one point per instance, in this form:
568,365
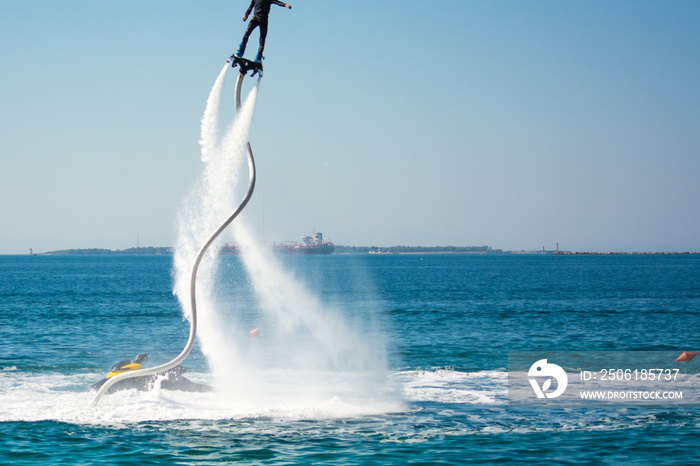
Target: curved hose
193,281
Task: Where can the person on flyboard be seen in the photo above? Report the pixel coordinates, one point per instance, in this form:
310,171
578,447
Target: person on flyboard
262,11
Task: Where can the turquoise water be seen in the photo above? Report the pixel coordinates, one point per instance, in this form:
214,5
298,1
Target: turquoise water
437,329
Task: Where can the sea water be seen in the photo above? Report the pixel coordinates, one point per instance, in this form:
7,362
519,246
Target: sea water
441,327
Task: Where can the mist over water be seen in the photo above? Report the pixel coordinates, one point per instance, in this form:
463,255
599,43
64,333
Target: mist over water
313,349
309,355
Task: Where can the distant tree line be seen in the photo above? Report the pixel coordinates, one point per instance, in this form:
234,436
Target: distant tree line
95,251
338,249
414,249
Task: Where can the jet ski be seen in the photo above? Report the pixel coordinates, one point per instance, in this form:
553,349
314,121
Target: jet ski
169,380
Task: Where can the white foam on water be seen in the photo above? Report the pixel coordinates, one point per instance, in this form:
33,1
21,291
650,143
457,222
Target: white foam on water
448,386
31,397
283,394
289,395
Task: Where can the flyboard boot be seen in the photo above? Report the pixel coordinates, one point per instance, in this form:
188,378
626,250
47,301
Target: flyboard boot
240,52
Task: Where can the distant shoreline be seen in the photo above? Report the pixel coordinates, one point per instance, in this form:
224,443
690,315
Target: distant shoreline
373,250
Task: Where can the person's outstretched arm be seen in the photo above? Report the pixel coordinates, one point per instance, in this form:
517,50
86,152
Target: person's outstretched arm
277,2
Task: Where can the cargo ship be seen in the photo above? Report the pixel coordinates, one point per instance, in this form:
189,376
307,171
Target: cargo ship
308,245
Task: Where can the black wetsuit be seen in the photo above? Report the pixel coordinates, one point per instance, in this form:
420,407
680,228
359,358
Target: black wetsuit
262,11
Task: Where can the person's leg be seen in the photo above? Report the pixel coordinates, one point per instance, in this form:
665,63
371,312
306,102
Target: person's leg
251,25
263,35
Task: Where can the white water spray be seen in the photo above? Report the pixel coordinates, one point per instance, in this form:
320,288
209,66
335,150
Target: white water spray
311,354
322,336
210,201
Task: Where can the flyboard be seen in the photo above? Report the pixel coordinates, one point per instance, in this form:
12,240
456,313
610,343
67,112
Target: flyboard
193,281
246,65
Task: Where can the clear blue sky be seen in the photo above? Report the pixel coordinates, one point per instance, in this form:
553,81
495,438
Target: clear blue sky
510,124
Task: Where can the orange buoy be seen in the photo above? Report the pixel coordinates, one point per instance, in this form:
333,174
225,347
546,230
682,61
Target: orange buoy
686,356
